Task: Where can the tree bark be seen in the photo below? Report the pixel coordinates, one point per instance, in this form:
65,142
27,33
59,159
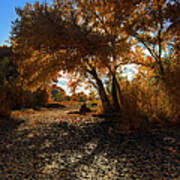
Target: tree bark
101,90
116,94
116,105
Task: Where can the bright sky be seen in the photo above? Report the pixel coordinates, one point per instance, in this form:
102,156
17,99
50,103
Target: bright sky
8,14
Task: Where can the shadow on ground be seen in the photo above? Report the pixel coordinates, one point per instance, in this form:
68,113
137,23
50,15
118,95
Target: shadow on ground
9,124
62,151
55,105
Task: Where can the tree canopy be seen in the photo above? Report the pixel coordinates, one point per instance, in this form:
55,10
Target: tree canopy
92,39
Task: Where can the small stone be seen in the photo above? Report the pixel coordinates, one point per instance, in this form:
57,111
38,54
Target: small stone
169,139
125,170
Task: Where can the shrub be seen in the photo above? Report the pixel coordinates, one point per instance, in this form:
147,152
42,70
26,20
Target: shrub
153,96
4,104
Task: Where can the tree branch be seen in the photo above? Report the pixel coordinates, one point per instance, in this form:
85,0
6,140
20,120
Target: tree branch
153,54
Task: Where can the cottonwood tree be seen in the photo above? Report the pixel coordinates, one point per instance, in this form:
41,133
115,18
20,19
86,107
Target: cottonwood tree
154,25
102,18
84,39
90,39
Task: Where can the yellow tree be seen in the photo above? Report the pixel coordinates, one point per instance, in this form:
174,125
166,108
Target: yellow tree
90,39
154,26
47,39
154,30
108,18
76,36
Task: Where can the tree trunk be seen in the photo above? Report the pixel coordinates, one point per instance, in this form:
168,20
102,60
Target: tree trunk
102,93
116,94
119,93
161,68
116,105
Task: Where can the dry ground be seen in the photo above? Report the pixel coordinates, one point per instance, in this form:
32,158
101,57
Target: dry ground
51,144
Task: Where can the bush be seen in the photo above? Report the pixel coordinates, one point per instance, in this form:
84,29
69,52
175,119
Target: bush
17,98
41,97
155,97
4,104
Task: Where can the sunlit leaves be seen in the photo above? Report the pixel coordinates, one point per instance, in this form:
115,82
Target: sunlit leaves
93,38
150,25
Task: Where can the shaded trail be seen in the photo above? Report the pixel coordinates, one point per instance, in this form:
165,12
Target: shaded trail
58,150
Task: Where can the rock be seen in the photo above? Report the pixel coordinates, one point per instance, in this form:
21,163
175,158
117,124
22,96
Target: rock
170,140
84,109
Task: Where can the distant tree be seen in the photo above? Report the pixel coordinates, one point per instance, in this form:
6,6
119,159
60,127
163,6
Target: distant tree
12,95
8,70
58,94
5,51
8,74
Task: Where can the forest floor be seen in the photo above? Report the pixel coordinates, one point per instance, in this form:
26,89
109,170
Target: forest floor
52,144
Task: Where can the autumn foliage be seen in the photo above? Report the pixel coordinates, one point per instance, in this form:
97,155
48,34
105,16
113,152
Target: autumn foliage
92,40
12,94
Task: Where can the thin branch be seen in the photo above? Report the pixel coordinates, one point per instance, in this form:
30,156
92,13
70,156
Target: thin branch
141,63
153,54
101,21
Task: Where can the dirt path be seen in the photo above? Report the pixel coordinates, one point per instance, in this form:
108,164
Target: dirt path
52,144
35,118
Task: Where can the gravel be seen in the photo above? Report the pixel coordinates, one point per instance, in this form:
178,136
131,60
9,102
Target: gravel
88,152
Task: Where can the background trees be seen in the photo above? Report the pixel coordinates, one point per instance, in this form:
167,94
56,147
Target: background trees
12,94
